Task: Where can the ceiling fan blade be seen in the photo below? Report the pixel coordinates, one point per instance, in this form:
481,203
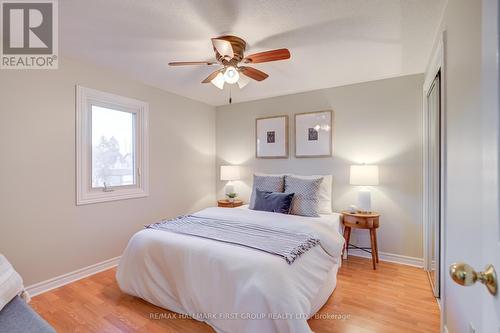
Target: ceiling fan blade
274,55
224,47
253,73
209,78
188,63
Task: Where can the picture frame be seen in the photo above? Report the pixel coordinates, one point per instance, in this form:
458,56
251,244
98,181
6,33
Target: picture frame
314,134
271,137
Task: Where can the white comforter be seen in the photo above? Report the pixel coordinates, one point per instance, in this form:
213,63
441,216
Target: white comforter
233,288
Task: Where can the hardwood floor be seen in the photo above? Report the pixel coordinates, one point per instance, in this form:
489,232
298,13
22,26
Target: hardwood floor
394,298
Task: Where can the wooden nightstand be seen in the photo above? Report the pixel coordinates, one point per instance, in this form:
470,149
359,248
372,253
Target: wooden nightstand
362,221
229,204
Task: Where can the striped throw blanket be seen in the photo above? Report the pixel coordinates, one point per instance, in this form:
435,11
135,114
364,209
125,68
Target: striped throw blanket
281,242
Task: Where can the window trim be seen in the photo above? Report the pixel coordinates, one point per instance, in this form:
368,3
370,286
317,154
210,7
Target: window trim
85,98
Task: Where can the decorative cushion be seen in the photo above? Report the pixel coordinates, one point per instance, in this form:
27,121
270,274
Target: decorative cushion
266,183
306,199
325,192
275,202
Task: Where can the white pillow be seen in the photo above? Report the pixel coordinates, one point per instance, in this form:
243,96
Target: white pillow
270,174
325,192
11,283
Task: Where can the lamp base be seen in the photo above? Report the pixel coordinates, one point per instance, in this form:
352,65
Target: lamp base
229,188
364,201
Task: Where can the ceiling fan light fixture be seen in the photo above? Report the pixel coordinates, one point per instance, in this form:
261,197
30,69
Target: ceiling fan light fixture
218,81
243,81
229,56
231,75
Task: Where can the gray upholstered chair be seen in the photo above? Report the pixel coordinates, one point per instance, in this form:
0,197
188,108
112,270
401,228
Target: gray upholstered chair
18,317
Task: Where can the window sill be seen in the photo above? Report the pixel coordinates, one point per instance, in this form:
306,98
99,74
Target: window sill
97,197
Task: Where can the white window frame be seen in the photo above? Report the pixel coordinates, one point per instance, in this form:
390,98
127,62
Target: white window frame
85,194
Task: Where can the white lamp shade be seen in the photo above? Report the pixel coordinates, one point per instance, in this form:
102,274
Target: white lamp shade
364,175
243,81
229,172
218,81
231,75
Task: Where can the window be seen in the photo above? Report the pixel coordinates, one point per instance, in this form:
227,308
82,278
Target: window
112,147
113,157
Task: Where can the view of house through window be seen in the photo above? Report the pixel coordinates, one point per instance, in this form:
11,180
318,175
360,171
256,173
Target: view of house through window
113,152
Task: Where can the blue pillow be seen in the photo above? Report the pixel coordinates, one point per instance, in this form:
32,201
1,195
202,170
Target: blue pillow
275,202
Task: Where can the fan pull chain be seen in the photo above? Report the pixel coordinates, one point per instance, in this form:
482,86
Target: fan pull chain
230,98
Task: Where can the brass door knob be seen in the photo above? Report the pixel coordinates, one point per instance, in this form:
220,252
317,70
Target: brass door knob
465,275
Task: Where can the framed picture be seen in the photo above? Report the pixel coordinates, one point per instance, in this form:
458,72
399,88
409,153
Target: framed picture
271,137
313,134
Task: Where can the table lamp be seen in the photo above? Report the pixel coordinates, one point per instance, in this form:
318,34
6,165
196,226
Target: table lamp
229,173
364,175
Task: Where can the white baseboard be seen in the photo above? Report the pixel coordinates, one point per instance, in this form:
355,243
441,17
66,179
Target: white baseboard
390,257
61,280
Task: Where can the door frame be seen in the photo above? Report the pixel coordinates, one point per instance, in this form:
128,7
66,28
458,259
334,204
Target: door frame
432,260
436,65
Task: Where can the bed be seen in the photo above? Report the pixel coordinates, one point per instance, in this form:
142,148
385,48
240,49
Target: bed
231,287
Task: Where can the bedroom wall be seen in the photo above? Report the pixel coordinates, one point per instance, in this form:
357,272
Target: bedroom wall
377,122
42,232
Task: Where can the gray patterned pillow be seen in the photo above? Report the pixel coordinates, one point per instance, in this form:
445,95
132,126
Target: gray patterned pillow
266,183
306,199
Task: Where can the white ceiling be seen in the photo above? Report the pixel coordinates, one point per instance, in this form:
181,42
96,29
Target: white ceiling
332,42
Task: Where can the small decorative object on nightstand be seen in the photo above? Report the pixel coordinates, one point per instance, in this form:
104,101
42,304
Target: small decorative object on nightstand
229,204
362,221
231,196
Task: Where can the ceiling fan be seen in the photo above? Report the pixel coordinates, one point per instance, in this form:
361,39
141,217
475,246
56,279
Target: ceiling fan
229,54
